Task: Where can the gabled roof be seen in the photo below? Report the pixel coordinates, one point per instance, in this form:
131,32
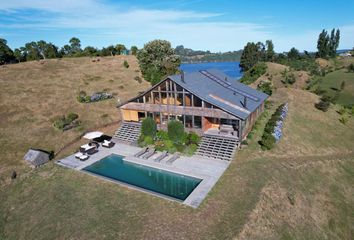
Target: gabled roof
219,89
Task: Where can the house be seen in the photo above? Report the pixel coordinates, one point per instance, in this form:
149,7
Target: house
206,102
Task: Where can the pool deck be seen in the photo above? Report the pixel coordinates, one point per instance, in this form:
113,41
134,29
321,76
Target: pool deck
208,170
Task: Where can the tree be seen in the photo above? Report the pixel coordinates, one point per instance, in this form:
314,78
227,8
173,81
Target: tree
250,56
32,51
175,131
270,54
148,127
6,54
134,50
75,46
47,50
120,48
90,51
157,60
327,45
261,51
294,54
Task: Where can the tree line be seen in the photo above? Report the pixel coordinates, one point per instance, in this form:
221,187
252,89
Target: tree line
46,50
327,45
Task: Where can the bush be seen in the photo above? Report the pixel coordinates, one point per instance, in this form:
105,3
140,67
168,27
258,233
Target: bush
148,127
289,78
344,119
193,138
138,79
190,149
64,123
265,87
72,116
162,135
322,105
175,131
254,73
126,64
268,141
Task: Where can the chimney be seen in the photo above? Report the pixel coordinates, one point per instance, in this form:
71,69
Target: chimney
182,77
245,102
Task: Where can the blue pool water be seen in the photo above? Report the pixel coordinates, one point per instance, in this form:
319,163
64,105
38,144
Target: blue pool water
167,183
230,68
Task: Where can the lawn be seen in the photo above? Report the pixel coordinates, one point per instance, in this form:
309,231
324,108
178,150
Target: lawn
331,83
301,189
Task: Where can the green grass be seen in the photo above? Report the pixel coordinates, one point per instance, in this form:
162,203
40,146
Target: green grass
313,162
331,83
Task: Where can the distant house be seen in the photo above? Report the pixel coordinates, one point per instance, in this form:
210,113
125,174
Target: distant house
345,54
37,157
206,101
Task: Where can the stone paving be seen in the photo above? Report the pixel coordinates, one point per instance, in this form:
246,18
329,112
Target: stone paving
209,170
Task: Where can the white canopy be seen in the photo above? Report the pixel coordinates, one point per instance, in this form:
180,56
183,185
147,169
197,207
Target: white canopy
92,135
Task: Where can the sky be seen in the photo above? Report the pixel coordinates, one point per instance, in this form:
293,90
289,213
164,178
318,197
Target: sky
215,25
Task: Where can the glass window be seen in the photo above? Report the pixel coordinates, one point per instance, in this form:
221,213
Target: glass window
156,97
164,98
207,105
188,123
157,118
179,99
141,116
179,88
187,100
197,101
180,118
164,118
197,121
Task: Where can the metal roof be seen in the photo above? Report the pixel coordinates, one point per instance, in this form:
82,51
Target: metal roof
221,90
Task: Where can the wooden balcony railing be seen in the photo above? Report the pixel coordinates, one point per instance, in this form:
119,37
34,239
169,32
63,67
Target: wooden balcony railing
178,110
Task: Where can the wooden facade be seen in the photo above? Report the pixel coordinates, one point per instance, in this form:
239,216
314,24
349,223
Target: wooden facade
169,101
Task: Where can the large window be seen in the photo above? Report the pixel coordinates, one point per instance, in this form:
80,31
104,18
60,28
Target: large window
197,121
197,101
141,116
188,100
188,122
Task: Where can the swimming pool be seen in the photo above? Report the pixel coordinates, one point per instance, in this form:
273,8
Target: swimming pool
167,183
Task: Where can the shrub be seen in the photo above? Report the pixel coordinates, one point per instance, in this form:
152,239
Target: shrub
190,149
289,78
254,73
64,123
162,135
193,138
148,127
265,87
344,119
126,64
148,140
268,141
72,116
138,79
176,131
322,105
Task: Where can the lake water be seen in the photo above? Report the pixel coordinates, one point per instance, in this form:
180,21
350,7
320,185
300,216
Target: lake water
230,68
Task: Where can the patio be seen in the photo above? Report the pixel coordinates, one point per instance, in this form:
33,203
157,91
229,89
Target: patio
208,170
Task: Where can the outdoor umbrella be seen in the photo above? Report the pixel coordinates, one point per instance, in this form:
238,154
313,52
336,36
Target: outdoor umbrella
93,135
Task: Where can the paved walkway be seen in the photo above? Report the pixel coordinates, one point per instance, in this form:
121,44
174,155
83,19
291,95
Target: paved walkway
208,170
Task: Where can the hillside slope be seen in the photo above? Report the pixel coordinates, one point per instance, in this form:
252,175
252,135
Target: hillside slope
33,93
274,74
301,189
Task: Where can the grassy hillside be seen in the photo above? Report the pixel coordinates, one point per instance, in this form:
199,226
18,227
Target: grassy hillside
34,93
331,85
301,189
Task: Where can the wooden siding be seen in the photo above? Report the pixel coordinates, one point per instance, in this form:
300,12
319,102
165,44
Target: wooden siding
178,110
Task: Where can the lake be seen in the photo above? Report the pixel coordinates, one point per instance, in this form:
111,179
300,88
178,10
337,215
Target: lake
230,68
